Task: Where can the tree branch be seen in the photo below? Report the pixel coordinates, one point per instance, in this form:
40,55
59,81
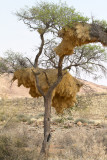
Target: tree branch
40,51
47,80
37,83
59,78
50,90
30,61
60,66
29,25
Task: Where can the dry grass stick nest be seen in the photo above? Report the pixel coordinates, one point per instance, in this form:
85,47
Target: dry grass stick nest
78,35
64,95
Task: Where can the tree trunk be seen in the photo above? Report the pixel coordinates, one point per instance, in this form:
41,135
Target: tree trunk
47,135
47,116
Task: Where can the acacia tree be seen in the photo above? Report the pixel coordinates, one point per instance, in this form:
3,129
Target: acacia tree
49,18
12,61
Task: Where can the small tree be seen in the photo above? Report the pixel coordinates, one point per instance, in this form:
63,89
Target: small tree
3,66
74,29
12,61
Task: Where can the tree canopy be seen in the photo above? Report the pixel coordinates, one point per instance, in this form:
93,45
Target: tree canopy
46,17
49,16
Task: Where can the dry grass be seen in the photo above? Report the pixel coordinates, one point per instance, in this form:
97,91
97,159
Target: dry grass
15,146
21,130
82,144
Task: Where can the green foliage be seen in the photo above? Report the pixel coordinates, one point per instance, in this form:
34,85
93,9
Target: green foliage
47,17
102,23
50,15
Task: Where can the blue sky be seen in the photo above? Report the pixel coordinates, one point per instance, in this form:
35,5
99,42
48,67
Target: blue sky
16,36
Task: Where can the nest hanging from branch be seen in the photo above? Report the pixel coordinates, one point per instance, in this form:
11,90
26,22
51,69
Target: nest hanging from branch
64,95
78,35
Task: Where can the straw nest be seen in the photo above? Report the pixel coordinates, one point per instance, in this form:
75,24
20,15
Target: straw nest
64,95
78,35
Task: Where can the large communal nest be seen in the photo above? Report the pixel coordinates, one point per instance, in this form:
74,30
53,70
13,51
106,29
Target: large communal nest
78,35
64,95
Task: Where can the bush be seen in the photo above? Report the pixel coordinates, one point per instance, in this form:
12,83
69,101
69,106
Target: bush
15,148
5,149
13,61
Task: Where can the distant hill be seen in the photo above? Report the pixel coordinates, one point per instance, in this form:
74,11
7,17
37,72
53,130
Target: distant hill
90,87
8,90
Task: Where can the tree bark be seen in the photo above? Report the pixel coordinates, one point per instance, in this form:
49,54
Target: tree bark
47,133
40,50
47,115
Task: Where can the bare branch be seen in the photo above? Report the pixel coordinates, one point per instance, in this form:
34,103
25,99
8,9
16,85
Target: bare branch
30,61
29,25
